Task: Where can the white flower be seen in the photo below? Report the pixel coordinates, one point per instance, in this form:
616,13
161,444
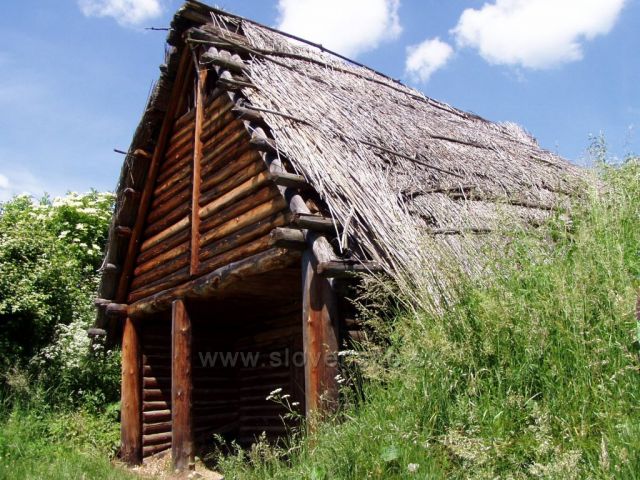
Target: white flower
285,396
80,226
413,467
295,404
344,353
276,391
63,234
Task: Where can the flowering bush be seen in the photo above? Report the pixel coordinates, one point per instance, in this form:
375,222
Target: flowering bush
50,252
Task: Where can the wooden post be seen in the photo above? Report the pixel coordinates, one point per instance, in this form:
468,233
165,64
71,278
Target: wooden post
320,339
131,417
197,178
182,450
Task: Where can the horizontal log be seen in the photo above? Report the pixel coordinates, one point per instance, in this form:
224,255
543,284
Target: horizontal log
156,416
285,179
248,114
254,215
164,246
218,125
174,229
160,272
151,394
236,254
160,285
213,57
184,119
155,405
162,427
316,223
216,281
154,449
117,310
337,269
223,142
238,192
155,382
230,166
167,220
177,176
155,262
225,153
212,191
236,209
150,370
156,438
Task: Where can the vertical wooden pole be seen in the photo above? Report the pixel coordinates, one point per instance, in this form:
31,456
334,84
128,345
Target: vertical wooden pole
181,388
131,417
320,340
197,180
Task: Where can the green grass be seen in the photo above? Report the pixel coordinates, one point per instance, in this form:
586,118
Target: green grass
533,373
41,444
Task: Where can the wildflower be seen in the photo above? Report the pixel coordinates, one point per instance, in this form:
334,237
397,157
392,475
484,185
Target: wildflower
295,404
413,467
346,353
285,396
276,391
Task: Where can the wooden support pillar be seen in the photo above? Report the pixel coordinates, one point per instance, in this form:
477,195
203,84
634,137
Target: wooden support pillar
197,178
320,339
182,449
131,395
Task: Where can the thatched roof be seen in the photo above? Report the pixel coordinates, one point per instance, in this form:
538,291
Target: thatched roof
413,181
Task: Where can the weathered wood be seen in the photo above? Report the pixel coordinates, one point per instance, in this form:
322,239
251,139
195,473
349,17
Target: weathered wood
215,191
153,449
248,114
218,127
242,251
217,159
96,332
156,438
292,180
156,428
117,310
214,57
161,281
156,416
215,281
164,246
172,230
160,259
178,199
218,173
167,220
288,237
316,223
197,177
177,177
245,188
131,419
145,200
244,235
343,269
254,215
161,271
182,450
320,340
263,195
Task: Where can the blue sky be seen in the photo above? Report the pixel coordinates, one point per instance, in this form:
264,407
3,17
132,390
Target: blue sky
75,74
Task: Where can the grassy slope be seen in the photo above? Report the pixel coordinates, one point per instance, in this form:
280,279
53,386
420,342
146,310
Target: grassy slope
534,375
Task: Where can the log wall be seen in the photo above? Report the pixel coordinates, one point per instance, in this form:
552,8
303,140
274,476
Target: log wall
238,204
156,385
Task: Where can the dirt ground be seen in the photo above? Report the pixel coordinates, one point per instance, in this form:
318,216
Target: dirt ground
159,467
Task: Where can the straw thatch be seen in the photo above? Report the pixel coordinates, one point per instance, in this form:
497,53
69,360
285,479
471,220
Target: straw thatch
414,182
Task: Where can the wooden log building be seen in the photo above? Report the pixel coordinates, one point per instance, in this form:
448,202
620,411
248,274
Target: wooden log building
264,173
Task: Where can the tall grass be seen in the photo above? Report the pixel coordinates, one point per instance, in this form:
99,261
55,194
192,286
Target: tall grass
532,373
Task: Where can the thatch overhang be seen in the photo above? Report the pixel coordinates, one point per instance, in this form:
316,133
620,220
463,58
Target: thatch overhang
412,182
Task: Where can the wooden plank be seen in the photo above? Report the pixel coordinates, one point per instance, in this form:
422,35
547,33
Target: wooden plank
182,450
344,269
320,340
131,402
197,177
145,200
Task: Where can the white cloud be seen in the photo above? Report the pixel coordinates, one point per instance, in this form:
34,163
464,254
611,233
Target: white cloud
427,57
4,182
535,33
349,27
125,12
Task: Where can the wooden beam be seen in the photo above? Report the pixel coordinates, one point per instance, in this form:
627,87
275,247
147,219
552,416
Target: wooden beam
343,269
145,200
315,223
320,340
117,310
197,177
218,280
292,180
131,416
182,451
